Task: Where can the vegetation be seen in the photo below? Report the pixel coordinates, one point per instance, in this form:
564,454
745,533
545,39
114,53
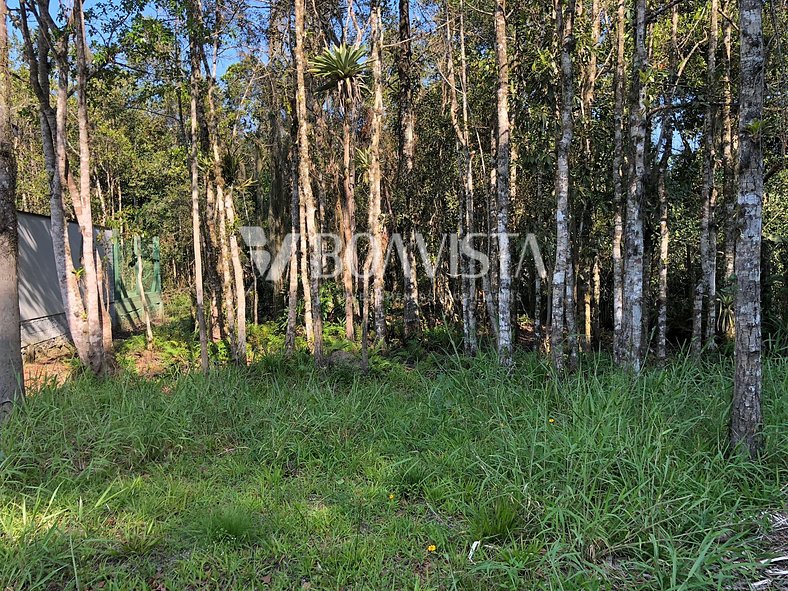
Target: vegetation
284,476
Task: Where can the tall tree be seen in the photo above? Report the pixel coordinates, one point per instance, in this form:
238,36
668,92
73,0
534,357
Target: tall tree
502,186
315,251
407,146
746,418
706,290
375,177
563,309
632,321
79,287
194,90
11,377
619,83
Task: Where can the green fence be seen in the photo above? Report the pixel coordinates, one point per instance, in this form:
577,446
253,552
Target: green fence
127,252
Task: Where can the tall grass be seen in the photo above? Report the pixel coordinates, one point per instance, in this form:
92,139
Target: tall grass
283,476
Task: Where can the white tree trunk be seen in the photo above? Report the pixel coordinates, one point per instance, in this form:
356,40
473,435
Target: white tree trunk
502,186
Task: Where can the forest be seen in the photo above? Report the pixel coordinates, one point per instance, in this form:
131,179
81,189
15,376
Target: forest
457,294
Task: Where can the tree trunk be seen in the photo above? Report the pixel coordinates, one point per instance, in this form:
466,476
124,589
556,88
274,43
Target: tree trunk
706,292
348,214
633,245
465,166
502,186
83,209
405,165
305,185
141,291
746,419
563,272
375,198
618,186
195,194
295,232
728,165
11,370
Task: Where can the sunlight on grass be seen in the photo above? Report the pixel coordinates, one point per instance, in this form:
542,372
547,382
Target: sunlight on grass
279,475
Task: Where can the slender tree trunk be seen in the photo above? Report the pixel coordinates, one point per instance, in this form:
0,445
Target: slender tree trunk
563,273
664,233
633,246
83,209
502,187
295,231
664,243
141,291
11,370
195,194
706,291
305,184
465,217
348,211
375,197
746,418
618,186
728,165
407,121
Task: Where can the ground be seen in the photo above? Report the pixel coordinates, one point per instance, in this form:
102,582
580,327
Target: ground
283,476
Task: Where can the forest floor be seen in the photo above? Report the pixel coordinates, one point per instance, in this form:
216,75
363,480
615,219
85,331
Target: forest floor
429,472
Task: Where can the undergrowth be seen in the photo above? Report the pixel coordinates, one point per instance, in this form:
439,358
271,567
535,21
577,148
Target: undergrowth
283,476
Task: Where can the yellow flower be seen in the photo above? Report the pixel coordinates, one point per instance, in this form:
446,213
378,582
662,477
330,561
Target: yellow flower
431,548
551,421
391,497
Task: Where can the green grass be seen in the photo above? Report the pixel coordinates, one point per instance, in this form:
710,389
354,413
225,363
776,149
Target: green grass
281,476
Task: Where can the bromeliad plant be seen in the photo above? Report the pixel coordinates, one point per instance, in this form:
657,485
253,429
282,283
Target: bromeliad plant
341,67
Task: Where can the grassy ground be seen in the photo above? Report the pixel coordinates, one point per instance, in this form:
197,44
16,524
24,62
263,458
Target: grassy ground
280,476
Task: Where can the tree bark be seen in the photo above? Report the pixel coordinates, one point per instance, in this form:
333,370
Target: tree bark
633,244
706,291
83,208
11,370
563,306
375,196
305,184
407,139
465,166
195,193
728,164
746,418
502,187
618,186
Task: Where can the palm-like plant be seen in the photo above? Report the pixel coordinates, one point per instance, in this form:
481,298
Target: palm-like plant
342,67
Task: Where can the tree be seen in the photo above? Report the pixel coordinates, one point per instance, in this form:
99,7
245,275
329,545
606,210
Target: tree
375,222
342,69
79,287
632,322
746,418
405,161
563,273
11,376
194,89
307,199
502,187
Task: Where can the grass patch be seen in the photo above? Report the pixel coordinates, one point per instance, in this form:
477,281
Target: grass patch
281,476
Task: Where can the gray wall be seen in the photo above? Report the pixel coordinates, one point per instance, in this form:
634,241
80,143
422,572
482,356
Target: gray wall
40,305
